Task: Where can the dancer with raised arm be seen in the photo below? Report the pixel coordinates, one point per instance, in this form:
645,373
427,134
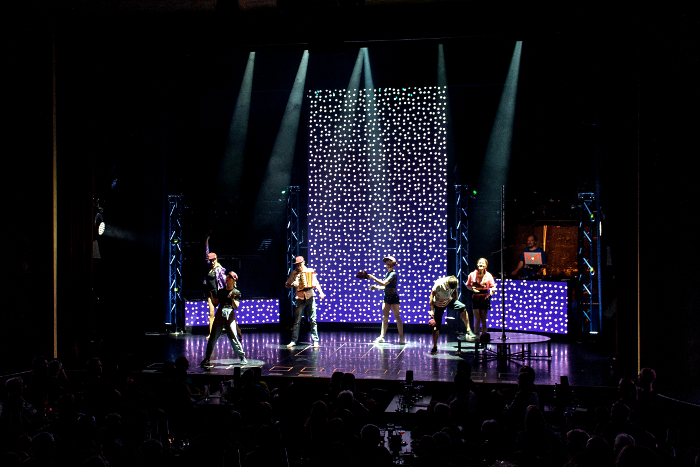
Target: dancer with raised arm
228,300
391,298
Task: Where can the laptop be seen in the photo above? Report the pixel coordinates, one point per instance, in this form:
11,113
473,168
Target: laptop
533,258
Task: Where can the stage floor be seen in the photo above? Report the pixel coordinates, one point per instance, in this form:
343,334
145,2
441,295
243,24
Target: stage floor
355,351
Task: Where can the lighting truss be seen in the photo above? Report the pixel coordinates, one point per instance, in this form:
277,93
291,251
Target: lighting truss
293,237
589,311
175,315
461,237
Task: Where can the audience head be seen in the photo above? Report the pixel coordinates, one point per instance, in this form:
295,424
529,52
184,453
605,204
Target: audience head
55,367
534,420
637,456
576,440
622,440
370,435
646,378
182,364
14,386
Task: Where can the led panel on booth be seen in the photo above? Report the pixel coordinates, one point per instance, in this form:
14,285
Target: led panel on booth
531,306
377,187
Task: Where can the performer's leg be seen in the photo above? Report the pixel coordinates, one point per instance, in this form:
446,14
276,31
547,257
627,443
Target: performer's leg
480,320
298,309
312,322
233,338
436,334
385,319
437,316
399,322
212,313
216,333
461,308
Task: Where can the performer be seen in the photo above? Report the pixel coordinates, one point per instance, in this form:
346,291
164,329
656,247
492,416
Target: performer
442,296
482,284
228,300
304,280
531,270
214,280
391,298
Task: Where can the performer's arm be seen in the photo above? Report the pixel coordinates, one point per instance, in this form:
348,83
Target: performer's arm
378,281
431,311
317,284
517,270
470,284
292,280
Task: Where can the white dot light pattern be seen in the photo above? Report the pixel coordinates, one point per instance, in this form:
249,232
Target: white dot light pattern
534,306
377,187
249,312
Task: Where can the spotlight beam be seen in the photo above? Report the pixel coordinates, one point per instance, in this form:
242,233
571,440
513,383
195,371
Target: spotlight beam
494,173
279,169
232,163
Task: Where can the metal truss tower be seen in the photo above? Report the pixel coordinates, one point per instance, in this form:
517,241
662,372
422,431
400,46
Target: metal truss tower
589,267
175,318
293,236
461,237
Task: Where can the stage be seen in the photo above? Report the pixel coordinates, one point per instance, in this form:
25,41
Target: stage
355,351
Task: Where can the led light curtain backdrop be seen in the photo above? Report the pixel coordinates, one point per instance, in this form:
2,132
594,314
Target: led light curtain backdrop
377,187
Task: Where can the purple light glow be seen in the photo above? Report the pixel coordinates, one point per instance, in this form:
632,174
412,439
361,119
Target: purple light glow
249,312
377,187
531,306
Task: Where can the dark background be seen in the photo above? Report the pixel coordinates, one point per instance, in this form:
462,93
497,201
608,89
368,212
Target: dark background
149,95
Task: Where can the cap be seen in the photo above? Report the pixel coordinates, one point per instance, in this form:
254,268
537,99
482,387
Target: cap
211,256
233,275
298,259
390,258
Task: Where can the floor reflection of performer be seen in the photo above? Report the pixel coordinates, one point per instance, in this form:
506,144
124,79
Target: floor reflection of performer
391,298
304,280
482,284
228,300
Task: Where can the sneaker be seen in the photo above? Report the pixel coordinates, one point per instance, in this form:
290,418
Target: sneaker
433,350
471,334
380,340
291,344
316,345
244,361
402,342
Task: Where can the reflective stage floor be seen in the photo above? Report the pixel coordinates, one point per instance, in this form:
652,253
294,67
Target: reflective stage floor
355,351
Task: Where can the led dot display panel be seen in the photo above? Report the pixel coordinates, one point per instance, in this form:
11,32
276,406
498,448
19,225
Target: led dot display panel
535,306
249,312
377,187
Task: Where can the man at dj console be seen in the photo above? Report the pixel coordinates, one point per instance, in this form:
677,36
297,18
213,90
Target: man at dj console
533,259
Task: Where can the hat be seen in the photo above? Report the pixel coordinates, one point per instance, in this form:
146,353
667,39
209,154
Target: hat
211,256
233,275
390,258
298,259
